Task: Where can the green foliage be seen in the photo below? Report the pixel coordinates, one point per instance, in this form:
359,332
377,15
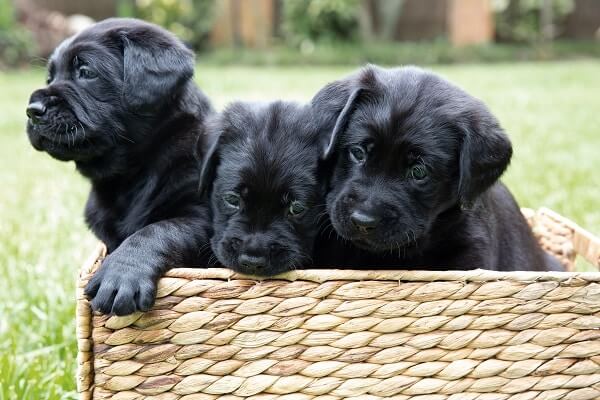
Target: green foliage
520,20
307,21
16,44
7,15
16,47
190,20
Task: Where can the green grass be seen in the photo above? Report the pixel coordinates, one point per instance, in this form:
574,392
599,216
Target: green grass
427,52
550,110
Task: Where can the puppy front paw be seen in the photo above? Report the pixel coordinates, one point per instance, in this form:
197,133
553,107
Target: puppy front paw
120,287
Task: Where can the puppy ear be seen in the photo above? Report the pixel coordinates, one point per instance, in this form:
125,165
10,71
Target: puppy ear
208,155
327,105
335,103
341,124
485,153
154,68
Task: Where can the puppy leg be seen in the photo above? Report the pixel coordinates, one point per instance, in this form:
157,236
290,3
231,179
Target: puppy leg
126,281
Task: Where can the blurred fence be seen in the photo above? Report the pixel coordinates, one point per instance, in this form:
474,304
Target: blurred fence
584,21
255,23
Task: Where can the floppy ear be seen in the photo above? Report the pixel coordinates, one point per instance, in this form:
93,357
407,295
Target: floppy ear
206,151
341,124
485,153
335,103
154,68
327,105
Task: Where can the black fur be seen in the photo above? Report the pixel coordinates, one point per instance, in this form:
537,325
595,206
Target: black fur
121,104
267,154
415,180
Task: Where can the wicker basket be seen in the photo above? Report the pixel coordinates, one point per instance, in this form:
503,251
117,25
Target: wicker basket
335,334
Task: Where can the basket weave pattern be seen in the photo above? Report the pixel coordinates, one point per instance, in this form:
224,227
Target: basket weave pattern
334,334
563,238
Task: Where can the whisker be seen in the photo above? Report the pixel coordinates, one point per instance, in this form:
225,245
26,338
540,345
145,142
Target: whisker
331,231
85,138
125,138
203,250
212,260
67,134
324,223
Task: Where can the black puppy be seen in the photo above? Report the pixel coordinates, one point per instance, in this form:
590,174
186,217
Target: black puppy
267,193
417,164
121,104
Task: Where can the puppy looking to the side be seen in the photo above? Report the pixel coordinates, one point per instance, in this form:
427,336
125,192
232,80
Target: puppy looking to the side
417,163
121,104
266,192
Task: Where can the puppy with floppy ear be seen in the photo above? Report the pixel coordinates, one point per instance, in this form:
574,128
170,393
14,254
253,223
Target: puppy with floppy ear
267,193
417,163
121,104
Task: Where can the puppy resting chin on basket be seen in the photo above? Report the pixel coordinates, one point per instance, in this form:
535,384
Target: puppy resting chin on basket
417,163
266,185
121,104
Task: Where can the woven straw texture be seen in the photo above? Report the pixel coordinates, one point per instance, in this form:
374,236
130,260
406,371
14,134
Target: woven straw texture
335,334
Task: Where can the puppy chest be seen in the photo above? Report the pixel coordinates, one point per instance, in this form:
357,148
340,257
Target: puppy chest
115,218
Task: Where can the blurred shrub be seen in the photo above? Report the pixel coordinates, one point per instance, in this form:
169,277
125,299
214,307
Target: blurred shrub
16,44
520,20
307,21
16,47
190,20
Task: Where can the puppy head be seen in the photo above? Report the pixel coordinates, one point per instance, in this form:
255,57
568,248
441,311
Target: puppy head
105,89
265,194
408,146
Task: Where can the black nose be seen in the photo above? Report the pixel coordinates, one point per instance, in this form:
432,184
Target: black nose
364,222
35,110
252,263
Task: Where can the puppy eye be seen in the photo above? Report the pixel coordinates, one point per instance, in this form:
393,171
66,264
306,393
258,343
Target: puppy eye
87,73
49,79
296,208
232,200
358,154
418,172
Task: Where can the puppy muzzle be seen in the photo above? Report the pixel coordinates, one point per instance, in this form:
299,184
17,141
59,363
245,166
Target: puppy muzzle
40,103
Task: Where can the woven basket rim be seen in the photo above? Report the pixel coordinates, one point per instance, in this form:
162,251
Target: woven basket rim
324,275
592,246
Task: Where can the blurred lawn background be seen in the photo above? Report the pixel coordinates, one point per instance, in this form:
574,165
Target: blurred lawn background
550,110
